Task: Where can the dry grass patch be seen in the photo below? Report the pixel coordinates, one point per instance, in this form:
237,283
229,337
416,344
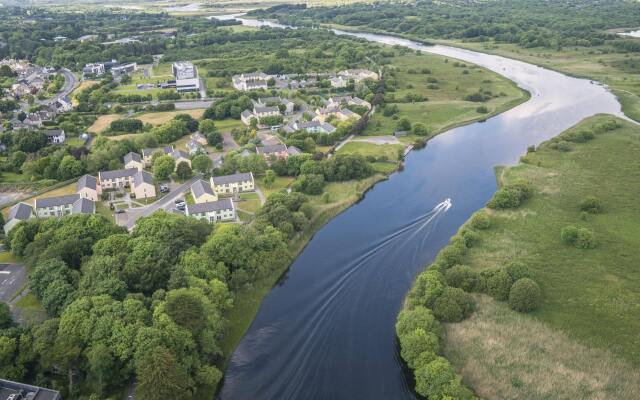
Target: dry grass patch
535,361
103,122
84,85
159,118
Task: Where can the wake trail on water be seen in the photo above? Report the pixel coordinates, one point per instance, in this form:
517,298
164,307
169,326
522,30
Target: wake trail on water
317,322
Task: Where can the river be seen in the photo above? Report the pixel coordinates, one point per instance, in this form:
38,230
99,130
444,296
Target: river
326,331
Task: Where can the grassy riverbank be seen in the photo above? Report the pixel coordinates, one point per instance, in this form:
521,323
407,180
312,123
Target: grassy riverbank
583,340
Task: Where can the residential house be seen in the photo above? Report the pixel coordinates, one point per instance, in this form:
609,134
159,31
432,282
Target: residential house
259,111
55,136
202,192
273,151
18,213
133,160
33,120
64,104
340,101
246,116
88,188
186,75
293,151
213,211
340,114
275,101
200,138
235,183
60,206
142,186
309,126
194,148
123,69
358,75
181,156
119,178
338,82
147,154
251,81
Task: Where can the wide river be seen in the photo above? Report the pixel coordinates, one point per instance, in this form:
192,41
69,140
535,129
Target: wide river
326,331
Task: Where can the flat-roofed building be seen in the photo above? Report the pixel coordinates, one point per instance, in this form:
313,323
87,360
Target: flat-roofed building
23,391
235,183
186,75
213,211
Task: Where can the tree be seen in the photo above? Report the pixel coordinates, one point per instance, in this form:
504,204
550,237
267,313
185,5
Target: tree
69,168
160,376
498,283
462,276
525,295
420,129
480,220
17,159
201,162
5,316
183,170
269,178
404,124
186,308
416,342
163,166
453,305
414,318
591,204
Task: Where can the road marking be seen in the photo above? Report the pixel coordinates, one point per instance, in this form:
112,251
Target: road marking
5,272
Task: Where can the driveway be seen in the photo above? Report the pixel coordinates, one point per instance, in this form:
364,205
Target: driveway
229,143
193,104
13,277
133,214
378,139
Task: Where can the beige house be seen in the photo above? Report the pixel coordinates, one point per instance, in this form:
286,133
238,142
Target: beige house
273,151
133,160
147,154
202,192
88,188
199,138
63,205
142,186
181,156
18,213
230,184
119,178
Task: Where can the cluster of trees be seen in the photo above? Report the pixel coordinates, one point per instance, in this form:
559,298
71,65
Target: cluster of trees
230,107
128,125
147,304
528,23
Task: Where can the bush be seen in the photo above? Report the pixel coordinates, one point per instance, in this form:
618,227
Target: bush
463,277
497,283
453,305
563,146
438,380
569,234
580,137
482,110
480,220
518,270
581,238
511,195
524,295
451,254
592,205
428,287
416,342
417,317
469,237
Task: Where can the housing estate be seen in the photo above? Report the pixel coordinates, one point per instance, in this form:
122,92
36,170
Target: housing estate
186,75
309,126
140,182
340,114
250,81
235,183
213,211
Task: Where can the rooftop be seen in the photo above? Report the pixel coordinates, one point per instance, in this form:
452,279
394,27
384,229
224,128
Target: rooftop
30,392
242,177
200,188
56,201
276,148
184,70
131,156
223,204
118,173
142,177
20,211
83,206
87,181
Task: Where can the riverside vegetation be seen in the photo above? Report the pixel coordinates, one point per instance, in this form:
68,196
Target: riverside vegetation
558,240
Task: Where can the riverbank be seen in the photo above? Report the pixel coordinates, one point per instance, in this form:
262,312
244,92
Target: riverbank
582,342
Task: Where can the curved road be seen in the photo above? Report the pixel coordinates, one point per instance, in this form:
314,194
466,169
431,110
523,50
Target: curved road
326,331
70,83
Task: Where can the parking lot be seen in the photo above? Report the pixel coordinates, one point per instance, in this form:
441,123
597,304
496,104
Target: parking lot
13,277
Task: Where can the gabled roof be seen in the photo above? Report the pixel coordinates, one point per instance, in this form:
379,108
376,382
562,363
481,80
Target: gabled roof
200,188
87,181
276,148
118,173
142,177
56,201
83,206
131,156
21,211
242,177
209,206
294,151
265,109
149,152
179,154
54,132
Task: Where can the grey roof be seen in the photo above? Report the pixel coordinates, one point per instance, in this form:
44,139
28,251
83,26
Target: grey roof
131,156
149,152
20,211
266,109
83,206
276,148
142,177
245,114
223,204
294,151
54,132
29,392
56,201
201,187
118,173
87,181
179,154
242,177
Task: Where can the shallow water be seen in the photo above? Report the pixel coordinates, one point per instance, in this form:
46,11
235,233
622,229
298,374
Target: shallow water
326,331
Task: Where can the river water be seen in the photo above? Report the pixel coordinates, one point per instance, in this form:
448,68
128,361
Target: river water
326,331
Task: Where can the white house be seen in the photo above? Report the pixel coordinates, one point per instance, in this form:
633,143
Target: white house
18,213
235,183
213,211
55,136
96,69
63,205
252,81
133,160
88,188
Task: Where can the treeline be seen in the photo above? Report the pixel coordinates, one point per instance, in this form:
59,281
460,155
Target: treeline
528,23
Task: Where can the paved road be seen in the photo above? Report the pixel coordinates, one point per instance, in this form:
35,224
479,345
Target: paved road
70,83
229,143
13,277
193,104
133,214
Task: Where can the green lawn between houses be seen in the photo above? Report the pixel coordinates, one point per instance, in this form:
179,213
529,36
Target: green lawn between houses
583,342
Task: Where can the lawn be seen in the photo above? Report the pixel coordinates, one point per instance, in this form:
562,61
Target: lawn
251,202
132,89
591,297
7,257
280,182
158,118
370,149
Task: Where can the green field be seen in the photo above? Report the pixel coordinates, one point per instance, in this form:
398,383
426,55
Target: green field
251,202
591,298
370,149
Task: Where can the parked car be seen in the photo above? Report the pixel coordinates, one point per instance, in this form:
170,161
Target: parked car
119,211
181,206
164,188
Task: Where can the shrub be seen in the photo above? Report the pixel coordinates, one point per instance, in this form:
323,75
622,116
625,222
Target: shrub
453,305
569,234
463,277
417,317
480,220
428,287
524,295
518,270
482,110
452,254
469,237
563,146
586,239
438,380
497,283
591,204
580,137
416,342
511,195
